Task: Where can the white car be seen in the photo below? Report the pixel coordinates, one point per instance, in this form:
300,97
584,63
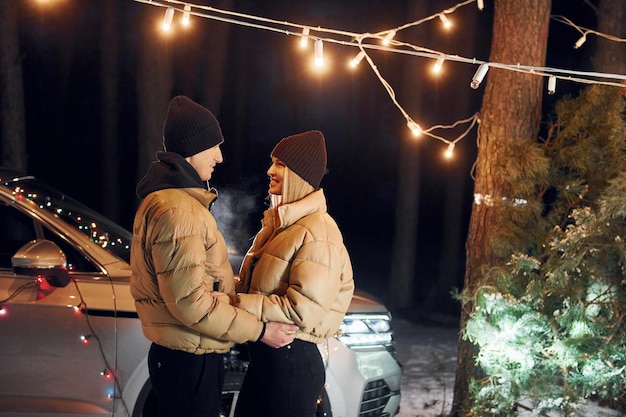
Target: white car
70,340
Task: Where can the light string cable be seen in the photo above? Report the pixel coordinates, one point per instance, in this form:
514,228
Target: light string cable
584,31
85,310
352,39
352,36
410,122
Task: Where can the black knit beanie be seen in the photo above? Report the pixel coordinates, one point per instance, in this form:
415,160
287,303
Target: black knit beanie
304,154
189,128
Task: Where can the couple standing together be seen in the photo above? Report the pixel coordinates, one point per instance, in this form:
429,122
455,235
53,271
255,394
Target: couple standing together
295,281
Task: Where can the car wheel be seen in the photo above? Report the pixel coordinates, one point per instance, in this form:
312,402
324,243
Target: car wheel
146,405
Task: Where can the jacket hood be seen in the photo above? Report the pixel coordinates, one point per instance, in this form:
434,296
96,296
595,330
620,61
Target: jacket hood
170,170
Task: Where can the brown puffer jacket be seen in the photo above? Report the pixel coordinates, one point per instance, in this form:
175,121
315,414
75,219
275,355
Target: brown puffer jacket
304,274
176,255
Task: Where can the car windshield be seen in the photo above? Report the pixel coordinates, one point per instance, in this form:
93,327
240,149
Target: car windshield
96,227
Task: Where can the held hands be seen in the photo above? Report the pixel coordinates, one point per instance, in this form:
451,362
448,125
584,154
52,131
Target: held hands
279,334
276,335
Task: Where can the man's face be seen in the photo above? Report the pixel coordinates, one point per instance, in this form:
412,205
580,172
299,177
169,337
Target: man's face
204,162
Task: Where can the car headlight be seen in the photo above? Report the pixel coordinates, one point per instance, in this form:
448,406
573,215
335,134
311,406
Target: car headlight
366,330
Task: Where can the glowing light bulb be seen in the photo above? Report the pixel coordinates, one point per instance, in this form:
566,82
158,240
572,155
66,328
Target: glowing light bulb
167,19
415,129
479,75
449,150
388,37
446,22
319,53
438,64
480,4
186,15
357,59
304,39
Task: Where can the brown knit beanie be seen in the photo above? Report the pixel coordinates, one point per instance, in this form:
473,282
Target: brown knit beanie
189,128
304,154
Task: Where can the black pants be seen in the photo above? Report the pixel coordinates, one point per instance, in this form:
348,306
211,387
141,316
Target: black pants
283,382
184,384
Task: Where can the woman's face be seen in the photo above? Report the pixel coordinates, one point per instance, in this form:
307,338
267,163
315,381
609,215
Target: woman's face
276,172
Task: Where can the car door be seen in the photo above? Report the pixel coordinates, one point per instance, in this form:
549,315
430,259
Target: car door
55,355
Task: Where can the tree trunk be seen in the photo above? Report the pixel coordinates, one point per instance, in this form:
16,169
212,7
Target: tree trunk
12,121
407,199
457,172
218,43
109,111
154,89
510,113
610,56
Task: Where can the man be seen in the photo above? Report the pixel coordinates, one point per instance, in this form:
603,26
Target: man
179,259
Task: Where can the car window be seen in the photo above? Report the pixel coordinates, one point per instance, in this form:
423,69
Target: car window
16,229
76,261
98,228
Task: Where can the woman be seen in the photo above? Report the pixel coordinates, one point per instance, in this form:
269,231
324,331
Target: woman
297,271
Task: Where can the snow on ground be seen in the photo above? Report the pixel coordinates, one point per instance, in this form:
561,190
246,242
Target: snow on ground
428,355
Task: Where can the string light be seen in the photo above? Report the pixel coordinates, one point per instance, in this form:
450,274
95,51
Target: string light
438,65
186,15
357,59
585,31
449,150
319,53
388,37
580,41
167,19
551,85
479,75
357,39
415,129
446,22
304,39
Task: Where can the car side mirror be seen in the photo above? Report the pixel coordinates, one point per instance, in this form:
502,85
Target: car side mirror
42,258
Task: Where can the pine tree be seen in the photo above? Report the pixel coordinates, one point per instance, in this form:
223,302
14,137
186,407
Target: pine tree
549,323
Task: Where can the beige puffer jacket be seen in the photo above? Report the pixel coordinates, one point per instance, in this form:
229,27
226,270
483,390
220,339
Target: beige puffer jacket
176,255
304,275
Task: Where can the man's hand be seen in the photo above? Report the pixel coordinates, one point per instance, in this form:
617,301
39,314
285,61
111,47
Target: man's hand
279,334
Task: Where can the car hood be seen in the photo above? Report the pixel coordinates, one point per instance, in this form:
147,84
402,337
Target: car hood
362,302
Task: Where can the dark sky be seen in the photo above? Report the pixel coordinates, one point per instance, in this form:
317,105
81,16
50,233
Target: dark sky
60,51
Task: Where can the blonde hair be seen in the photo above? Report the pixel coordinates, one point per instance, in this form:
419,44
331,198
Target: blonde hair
294,188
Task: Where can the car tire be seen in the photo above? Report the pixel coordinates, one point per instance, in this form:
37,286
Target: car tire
146,405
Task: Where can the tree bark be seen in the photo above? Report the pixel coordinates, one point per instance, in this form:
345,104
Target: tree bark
609,55
403,263
12,121
510,112
154,89
457,172
109,111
